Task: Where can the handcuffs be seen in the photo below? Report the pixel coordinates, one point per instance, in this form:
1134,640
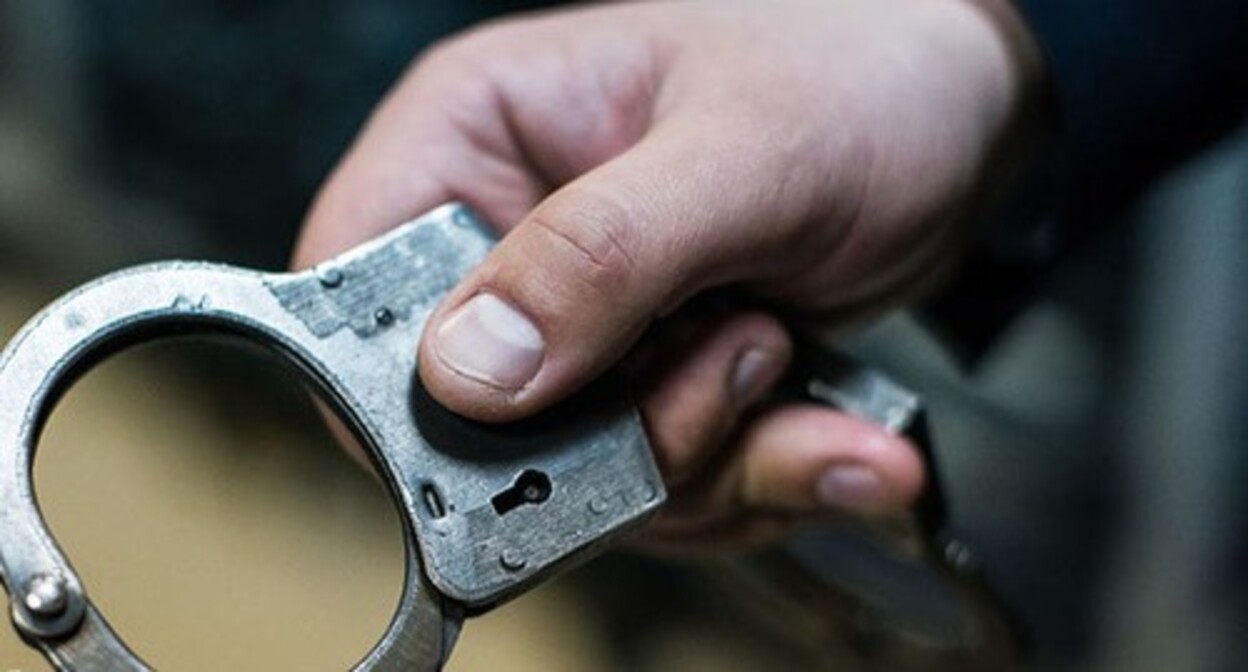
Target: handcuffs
488,511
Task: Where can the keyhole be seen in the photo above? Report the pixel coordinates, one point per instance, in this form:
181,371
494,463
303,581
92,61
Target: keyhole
531,487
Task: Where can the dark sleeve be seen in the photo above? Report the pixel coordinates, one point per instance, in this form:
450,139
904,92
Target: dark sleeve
1136,87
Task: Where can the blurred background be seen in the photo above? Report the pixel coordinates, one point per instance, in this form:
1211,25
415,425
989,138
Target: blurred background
1093,455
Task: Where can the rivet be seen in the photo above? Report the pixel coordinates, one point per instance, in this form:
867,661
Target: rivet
598,506
511,560
462,219
329,276
46,596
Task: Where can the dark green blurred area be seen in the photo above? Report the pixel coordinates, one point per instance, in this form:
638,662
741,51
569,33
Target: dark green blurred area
236,111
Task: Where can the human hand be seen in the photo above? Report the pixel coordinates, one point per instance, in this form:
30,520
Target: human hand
819,156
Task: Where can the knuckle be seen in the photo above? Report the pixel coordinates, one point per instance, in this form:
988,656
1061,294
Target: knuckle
447,53
462,58
598,239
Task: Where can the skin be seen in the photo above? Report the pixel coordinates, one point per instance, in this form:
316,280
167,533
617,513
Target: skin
819,157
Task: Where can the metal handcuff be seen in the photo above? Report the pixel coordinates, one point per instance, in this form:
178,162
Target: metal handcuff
488,511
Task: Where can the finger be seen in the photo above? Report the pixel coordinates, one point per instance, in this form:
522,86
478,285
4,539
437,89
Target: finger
471,121
696,388
567,292
811,459
792,464
439,136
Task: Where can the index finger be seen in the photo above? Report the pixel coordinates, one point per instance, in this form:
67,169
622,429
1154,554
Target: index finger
437,137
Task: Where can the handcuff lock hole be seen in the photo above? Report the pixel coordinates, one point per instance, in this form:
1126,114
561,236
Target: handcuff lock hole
530,487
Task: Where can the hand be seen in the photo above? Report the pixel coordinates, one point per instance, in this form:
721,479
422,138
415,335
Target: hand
815,155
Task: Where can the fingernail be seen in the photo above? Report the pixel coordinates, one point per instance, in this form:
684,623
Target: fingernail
851,488
491,342
751,377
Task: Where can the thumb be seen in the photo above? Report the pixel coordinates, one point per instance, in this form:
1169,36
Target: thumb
567,292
